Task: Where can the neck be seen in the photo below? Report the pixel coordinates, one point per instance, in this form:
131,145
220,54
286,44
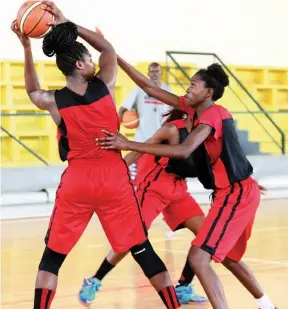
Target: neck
202,107
76,82
188,124
156,83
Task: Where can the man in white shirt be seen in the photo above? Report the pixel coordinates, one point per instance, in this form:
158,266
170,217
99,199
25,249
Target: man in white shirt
150,110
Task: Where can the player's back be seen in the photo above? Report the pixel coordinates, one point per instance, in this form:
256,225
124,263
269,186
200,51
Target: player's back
83,119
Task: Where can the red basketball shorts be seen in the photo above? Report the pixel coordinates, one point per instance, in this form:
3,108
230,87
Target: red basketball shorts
145,163
228,226
88,187
161,192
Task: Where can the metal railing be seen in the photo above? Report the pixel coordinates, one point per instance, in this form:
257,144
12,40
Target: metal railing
11,134
15,137
17,140
170,55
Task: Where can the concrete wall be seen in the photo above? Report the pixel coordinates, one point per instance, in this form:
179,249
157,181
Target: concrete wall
35,179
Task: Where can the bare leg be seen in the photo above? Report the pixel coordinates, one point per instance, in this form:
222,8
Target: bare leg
46,280
200,263
193,224
242,272
114,258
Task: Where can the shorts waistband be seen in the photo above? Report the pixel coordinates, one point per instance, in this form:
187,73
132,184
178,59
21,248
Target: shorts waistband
93,162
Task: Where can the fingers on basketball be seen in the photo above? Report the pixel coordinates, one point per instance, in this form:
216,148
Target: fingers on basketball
34,18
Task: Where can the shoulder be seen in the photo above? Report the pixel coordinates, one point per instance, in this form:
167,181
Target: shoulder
216,112
221,110
179,124
165,87
137,90
171,127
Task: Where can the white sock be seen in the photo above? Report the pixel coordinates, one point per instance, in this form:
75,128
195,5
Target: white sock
265,303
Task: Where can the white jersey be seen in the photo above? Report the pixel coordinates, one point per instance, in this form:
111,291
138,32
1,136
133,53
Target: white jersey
150,112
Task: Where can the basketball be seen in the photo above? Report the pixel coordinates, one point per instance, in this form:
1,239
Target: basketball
33,20
130,119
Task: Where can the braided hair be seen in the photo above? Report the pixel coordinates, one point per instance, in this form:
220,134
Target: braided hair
62,42
216,78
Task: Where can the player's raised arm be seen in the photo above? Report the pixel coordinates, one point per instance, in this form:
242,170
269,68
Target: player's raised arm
147,86
107,61
41,98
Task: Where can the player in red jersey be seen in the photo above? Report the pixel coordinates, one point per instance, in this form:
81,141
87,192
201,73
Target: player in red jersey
222,166
163,189
96,180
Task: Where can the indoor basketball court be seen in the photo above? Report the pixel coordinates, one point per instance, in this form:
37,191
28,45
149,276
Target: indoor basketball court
126,286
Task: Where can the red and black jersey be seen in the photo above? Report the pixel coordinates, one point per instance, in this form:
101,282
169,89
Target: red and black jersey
220,160
185,167
83,119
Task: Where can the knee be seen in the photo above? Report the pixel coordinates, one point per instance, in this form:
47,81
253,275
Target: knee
147,259
198,258
51,261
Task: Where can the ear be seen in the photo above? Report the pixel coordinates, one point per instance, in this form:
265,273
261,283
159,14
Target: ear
209,93
79,65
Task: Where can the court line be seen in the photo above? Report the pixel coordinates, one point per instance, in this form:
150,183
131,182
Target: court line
271,262
155,240
245,259
272,228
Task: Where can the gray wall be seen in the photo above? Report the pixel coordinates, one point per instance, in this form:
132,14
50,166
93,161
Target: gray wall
31,179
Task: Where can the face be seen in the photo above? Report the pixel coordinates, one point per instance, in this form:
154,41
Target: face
196,92
87,66
155,73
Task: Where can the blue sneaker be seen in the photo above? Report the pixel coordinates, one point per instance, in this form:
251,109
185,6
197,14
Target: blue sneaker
88,291
187,294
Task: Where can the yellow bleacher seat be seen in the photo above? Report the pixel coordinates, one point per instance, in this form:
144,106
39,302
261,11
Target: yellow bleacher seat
268,85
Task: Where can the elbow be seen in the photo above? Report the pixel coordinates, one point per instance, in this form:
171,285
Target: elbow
31,91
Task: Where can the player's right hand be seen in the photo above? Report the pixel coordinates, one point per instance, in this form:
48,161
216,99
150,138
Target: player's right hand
113,141
54,10
22,37
262,189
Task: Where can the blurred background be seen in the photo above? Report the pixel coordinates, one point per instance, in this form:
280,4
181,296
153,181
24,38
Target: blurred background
248,38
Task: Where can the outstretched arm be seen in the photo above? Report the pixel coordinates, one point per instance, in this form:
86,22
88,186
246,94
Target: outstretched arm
165,133
147,86
41,98
181,151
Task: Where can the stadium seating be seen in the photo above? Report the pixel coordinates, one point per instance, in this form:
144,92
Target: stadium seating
268,85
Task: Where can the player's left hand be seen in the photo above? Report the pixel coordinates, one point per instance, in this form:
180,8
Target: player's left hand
22,37
113,141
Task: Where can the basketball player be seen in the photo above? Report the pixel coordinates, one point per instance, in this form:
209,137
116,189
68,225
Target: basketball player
163,189
221,166
96,180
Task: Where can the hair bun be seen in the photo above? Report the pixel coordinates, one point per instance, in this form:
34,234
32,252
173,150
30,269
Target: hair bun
59,39
216,71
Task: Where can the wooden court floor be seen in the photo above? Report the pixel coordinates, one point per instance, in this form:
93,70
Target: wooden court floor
125,287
